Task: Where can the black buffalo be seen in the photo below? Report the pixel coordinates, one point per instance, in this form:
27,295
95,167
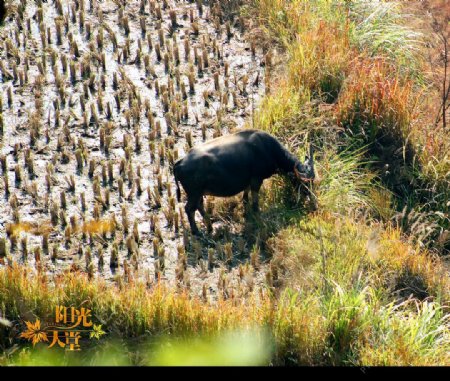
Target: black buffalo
234,163
2,11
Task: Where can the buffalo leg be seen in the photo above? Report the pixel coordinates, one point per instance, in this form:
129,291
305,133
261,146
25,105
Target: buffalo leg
255,186
206,217
201,207
255,201
2,10
245,197
190,208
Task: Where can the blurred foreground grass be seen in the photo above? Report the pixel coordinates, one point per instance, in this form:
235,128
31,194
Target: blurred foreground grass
232,348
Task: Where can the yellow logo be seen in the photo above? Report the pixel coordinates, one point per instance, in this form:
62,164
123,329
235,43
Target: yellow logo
69,325
34,332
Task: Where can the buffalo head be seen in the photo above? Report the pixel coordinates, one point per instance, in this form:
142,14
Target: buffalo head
305,172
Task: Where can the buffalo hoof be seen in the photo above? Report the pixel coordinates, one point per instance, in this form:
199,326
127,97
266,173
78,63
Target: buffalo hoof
196,232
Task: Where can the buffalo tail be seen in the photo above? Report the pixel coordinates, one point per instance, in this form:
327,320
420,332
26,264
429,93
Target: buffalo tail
177,183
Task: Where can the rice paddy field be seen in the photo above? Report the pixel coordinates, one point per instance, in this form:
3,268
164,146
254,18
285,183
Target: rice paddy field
99,99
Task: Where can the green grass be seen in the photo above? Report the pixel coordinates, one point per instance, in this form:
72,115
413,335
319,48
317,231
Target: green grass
417,337
380,28
364,277
339,279
371,66
233,348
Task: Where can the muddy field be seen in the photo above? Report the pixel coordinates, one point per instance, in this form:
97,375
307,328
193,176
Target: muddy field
98,100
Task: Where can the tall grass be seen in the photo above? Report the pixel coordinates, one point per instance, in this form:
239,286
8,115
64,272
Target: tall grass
370,65
315,35
364,277
321,56
418,336
375,105
135,311
328,249
284,19
284,113
380,28
345,184
332,320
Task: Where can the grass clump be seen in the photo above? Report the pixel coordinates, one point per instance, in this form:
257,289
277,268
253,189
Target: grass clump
330,249
345,185
355,273
320,58
381,28
282,113
376,107
417,336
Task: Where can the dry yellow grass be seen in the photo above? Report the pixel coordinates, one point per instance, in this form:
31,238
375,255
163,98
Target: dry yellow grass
34,228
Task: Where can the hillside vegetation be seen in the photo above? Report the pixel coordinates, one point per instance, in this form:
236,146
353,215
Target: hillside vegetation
361,280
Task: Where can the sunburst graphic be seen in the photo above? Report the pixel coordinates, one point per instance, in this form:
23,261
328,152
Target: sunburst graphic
34,333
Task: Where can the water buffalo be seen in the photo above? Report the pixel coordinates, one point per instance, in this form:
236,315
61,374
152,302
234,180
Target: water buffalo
2,11
234,163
